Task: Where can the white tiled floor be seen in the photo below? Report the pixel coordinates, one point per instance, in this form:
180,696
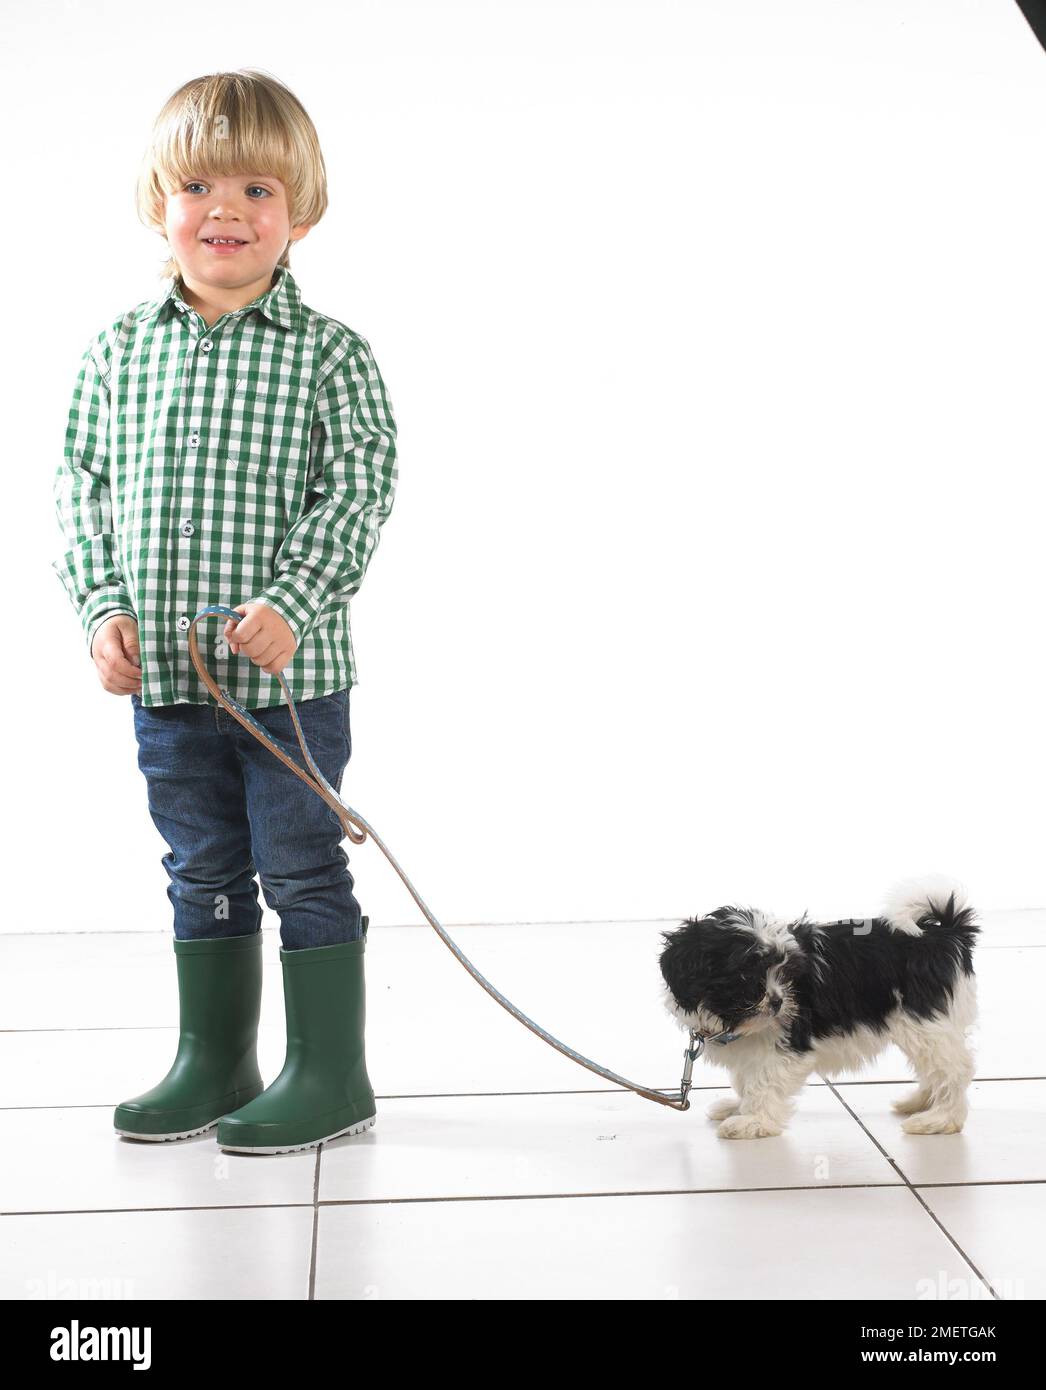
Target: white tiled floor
499,1168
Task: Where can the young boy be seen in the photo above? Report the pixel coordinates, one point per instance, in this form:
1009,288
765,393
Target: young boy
227,444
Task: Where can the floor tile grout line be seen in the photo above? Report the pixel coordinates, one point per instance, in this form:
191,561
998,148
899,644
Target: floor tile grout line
315,1223
584,1091
617,1192
536,1196
925,1206
463,1197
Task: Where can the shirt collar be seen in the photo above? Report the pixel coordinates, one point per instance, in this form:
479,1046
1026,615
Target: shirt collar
281,302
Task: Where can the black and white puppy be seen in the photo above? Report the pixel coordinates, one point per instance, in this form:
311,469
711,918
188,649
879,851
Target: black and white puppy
796,997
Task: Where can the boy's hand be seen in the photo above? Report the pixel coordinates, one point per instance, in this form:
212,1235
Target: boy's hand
264,636
114,651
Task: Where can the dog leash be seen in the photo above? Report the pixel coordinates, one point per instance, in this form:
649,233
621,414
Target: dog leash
357,829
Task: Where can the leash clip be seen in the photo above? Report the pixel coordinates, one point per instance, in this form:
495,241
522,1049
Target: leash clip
694,1049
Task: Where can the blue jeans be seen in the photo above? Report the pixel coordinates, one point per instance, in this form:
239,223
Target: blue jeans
228,808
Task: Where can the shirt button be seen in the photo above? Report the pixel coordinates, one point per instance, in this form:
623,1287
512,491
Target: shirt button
194,439
221,648
184,623
206,345
188,528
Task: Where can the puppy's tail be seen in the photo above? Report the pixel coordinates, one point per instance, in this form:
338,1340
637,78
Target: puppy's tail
931,905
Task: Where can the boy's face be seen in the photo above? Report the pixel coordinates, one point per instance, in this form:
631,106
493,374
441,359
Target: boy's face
250,208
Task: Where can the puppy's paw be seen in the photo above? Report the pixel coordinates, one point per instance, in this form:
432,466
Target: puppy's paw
747,1127
913,1103
719,1109
933,1122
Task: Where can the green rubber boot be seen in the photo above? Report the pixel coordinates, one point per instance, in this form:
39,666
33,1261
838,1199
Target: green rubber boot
323,1090
216,1066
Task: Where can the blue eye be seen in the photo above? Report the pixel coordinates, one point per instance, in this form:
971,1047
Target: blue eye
195,183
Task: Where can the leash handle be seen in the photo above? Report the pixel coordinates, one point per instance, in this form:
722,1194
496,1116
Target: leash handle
358,830
317,781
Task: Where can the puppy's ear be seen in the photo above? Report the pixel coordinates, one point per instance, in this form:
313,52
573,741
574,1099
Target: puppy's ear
684,962
802,930
804,961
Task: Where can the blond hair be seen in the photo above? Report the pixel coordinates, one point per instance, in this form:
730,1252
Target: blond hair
230,123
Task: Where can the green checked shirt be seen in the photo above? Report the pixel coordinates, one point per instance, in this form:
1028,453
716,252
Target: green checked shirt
251,460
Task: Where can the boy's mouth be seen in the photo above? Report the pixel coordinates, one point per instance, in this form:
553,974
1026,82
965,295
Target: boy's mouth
223,243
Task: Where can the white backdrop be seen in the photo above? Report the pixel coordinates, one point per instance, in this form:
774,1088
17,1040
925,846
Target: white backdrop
714,333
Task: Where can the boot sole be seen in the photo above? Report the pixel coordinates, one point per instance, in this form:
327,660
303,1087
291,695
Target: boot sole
357,1128
165,1138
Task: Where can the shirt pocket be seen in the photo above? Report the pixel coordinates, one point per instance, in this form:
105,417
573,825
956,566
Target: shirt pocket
244,461
247,446
264,436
